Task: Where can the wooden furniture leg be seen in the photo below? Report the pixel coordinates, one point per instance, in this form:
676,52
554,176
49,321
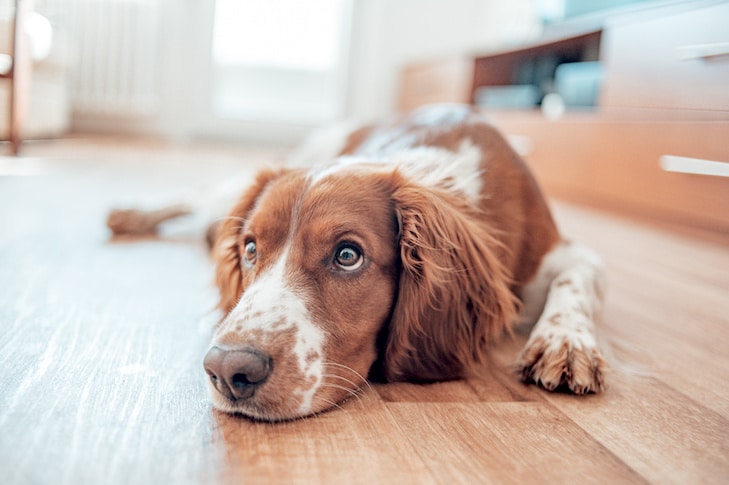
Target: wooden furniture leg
18,76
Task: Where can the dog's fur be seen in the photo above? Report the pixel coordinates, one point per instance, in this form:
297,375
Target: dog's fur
452,243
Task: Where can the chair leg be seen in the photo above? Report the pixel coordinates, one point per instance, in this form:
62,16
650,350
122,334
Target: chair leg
15,139
20,77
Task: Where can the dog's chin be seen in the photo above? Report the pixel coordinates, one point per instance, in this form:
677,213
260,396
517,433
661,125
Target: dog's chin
255,411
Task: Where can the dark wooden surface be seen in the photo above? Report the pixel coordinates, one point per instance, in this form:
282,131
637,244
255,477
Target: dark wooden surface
101,346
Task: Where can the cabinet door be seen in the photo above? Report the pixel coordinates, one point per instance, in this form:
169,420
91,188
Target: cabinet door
618,165
679,60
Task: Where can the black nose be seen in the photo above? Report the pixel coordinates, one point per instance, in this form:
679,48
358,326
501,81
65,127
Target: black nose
236,373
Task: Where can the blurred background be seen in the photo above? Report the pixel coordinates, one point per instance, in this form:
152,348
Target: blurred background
255,69
604,98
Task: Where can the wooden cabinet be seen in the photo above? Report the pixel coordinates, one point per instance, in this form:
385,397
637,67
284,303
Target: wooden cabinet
665,97
616,165
678,60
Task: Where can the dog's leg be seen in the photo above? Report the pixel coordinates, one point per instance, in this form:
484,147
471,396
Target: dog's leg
143,222
204,208
562,350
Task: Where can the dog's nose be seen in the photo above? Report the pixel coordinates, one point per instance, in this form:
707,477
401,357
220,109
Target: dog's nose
237,373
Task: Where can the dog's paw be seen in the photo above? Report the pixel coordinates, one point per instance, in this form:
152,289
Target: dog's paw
560,363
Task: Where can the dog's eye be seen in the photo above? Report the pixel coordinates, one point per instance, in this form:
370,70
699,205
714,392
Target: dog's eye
250,254
348,257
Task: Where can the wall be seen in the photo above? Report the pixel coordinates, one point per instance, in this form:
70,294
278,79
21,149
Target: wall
391,34
386,35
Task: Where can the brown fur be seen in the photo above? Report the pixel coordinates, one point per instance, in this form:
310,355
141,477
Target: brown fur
512,204
226,248
453,296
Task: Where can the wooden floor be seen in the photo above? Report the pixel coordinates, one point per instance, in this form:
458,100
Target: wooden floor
101,346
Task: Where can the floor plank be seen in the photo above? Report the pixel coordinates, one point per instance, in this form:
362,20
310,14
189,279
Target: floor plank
353,445
667,303
674,440
507,443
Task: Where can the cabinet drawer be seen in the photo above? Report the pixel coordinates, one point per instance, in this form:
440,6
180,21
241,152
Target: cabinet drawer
678,60
617,165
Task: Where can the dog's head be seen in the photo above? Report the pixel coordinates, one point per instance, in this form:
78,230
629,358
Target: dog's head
327,278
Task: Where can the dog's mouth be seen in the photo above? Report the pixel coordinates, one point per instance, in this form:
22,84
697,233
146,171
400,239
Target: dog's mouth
271,380
265,404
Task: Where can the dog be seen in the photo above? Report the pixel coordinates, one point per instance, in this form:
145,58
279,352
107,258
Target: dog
398,252
401,254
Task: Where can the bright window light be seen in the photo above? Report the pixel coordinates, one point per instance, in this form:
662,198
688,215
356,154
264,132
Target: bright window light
288,34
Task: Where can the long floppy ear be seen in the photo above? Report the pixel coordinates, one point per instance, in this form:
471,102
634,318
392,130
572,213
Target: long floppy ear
225,242
454,294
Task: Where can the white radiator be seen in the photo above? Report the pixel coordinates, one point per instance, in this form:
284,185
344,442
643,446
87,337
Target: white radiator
117,56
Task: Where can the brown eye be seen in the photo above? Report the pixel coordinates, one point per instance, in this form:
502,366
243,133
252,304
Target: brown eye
348,257
250,254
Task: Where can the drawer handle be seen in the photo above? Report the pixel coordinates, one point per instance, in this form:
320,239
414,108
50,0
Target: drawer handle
696,166
702,51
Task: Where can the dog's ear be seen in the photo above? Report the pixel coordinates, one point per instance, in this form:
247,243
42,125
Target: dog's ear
454,292
225,250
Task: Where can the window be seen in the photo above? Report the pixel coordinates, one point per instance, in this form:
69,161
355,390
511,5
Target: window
280,60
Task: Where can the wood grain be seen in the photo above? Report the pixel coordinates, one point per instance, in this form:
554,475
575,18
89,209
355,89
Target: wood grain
101,345
507,443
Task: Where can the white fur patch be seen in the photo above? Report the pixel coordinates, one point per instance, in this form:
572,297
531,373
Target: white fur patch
442,114
386,142
564,297
437,167
459,171
569,312
271,305
562,348
561,258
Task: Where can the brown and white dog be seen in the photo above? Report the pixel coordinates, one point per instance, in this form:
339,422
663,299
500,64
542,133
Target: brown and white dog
400,255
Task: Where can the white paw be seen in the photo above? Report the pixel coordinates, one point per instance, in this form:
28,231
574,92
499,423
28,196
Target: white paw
563,361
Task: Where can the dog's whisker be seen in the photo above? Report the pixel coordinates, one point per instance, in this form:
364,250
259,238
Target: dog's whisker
331,403
351,392
345,367
355,391
351,395
335,376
